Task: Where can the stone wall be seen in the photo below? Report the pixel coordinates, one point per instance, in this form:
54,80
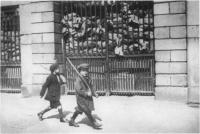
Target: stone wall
41,42
26,48
170,50
193,51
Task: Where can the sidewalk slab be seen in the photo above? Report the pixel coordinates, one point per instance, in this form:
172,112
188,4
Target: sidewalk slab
119,114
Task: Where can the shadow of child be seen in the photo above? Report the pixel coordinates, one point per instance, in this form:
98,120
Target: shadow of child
86,121
65,113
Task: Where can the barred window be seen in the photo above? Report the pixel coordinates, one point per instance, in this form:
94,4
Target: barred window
10,35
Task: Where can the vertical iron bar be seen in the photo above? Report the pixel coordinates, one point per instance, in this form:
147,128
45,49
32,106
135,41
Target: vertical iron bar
95,14
63,46
148,25
101,25
86,26
72,12
110,15
67,13
91,13
78,46
81,15
107,53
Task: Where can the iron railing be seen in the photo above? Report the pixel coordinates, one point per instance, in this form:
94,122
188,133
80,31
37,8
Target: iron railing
116,38
89,26
10,49
130,75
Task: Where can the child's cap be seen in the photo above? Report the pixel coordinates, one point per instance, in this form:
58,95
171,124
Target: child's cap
83,66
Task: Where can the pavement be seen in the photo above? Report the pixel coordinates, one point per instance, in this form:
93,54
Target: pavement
118,114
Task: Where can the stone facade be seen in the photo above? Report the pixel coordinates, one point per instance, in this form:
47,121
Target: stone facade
168,43
176,47
175,40
26,48
193,51
41,42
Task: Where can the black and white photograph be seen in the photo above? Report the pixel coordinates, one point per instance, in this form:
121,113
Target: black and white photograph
99,66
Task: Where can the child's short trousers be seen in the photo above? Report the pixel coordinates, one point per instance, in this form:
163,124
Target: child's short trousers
54,104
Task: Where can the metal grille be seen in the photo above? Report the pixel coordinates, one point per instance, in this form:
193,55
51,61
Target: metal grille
97,73
124,26
10,48
116,38
132,75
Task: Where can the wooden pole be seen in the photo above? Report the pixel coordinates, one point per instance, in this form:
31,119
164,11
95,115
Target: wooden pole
83,79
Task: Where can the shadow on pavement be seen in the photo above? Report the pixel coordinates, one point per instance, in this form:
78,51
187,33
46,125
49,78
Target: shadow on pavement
87,121
194,105
65,113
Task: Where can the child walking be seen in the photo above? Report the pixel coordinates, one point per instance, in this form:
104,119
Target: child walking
52,85
84,97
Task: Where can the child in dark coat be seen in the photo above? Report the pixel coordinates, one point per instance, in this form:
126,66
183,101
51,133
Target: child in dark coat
84,97
53,83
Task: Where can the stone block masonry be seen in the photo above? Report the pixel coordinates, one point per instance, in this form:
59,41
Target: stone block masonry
46,37
26,50
193,51
41,41
170,50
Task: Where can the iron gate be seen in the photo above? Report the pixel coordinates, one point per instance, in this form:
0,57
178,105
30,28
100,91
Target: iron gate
10,50
116,38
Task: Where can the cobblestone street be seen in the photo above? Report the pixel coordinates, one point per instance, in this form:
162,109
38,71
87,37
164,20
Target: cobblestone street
118,114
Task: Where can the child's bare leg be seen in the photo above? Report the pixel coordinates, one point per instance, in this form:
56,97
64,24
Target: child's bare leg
40,114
